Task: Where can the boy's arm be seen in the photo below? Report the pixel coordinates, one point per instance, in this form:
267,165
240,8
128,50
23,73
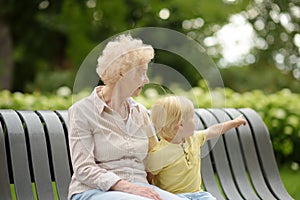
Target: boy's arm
221,128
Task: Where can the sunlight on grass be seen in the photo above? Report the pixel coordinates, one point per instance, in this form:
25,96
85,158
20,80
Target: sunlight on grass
13,191
290,179
34,191
14,197
55,191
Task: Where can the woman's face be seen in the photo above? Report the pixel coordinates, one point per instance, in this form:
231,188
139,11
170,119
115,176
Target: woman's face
136,78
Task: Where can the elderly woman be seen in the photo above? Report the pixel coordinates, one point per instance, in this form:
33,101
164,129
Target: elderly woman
110,133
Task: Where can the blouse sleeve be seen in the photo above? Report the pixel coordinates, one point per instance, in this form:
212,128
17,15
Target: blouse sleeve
82,152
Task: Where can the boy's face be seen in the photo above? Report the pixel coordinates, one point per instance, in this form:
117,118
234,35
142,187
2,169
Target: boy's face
188,126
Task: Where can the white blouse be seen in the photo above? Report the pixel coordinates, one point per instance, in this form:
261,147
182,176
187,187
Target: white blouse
104,148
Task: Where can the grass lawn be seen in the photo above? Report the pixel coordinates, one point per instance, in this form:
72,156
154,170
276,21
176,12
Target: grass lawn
291,181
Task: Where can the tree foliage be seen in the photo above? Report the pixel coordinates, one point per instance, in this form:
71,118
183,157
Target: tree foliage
52,37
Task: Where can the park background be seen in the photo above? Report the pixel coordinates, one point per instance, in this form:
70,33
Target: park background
255,44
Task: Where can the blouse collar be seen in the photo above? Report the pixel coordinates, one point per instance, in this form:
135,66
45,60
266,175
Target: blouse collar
102,104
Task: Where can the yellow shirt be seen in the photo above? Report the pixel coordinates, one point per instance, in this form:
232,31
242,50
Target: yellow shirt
176,167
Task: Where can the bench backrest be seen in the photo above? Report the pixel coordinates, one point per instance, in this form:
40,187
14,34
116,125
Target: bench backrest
35,158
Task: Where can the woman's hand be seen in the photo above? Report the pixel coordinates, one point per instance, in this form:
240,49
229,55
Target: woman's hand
125,186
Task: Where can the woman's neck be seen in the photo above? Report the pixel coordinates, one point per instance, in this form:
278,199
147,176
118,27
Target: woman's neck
115,100
105,94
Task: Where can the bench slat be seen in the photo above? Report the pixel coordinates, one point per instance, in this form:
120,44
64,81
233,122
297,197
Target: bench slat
64,115
59,150
235,153
207,172
220,160
39,155
18,154
266,155
251,160
4,175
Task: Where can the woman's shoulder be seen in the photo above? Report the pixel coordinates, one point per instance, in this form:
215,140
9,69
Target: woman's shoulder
84,103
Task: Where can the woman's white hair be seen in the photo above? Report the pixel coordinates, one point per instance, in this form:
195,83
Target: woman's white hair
121,55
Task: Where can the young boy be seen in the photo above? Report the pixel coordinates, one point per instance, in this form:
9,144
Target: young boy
175,161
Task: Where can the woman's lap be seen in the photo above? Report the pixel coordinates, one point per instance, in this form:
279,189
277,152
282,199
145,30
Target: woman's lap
96,194
198,196
99,195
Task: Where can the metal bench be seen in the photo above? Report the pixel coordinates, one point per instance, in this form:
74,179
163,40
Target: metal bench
35,160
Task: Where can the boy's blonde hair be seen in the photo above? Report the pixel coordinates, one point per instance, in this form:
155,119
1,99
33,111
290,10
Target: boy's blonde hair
168,112
121,55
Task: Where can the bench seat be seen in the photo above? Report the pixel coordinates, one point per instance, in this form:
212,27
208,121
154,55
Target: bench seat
35,158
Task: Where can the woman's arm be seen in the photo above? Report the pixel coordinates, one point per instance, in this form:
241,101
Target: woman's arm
81,142
221,128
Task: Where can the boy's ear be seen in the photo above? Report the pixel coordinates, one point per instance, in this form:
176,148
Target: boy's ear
180,125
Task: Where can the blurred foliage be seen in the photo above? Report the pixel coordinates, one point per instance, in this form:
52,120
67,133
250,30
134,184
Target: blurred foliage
51,39
55,36
247,78
34,101
276,36
278,110
51,81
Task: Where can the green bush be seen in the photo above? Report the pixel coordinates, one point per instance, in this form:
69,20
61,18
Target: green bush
280,111
34,101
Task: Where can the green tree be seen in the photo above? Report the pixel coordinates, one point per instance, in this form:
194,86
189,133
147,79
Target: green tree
274,56
51,38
